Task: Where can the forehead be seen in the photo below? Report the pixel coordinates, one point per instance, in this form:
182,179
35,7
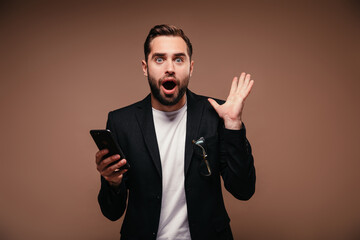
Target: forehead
168,45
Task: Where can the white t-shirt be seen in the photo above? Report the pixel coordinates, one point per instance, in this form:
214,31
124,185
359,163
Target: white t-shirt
170,130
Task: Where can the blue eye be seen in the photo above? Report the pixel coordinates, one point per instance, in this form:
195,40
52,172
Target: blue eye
178,60
159,60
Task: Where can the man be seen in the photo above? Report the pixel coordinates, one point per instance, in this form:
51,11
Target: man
178,144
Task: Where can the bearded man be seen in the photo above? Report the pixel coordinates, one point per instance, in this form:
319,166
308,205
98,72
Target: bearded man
178,145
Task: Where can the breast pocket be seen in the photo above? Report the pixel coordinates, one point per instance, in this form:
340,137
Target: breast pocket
206,151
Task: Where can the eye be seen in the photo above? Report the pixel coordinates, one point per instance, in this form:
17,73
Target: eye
178,60
159,60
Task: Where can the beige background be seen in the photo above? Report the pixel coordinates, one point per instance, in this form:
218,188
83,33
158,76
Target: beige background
64,65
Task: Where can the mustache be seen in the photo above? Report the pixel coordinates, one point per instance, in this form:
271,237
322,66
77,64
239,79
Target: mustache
167,77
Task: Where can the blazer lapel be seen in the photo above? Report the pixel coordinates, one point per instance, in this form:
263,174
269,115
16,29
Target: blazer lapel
146,123
194,114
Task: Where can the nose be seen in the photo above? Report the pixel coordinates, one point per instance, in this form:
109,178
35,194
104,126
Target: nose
170,68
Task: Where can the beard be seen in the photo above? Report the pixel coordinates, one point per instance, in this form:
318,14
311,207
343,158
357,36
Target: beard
164,99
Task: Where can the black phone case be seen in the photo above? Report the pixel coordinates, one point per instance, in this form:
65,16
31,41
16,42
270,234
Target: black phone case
105,140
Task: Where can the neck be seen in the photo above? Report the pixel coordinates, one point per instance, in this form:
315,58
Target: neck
158,106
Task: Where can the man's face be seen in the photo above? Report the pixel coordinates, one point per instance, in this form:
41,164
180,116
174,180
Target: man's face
168,69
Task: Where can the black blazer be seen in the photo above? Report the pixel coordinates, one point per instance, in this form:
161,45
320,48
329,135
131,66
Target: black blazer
229,155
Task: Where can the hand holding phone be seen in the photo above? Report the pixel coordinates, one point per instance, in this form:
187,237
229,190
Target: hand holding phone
105,140
110,160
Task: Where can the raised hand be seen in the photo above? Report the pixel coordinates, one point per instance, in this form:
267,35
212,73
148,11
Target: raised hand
231,110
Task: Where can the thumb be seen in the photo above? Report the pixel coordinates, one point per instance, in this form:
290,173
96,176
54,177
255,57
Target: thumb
213,103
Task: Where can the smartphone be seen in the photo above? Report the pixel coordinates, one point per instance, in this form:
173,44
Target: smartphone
105,140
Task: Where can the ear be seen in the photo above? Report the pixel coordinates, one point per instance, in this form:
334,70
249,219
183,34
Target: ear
144,67
191,67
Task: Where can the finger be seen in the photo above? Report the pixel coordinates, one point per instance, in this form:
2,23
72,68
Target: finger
247,80
213,103
109,170
123,171
248,89
244,84
107,161
114,176
119,165
117,174
251,83
233,86
241,82
100,154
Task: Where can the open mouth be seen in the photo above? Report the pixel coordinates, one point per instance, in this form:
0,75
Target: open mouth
169,84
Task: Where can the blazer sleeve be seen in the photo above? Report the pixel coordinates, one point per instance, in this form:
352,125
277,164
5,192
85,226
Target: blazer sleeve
237,163
112,201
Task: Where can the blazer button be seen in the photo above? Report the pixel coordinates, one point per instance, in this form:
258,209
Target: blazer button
158,197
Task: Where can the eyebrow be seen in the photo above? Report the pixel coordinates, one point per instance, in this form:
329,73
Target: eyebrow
180,54
163,54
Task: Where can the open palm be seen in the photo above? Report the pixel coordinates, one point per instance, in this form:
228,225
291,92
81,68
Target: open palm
231,110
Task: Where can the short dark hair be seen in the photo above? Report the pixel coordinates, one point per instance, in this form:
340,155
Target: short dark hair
165,30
